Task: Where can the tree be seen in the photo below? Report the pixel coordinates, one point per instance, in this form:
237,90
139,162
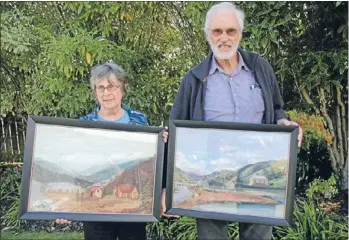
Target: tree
48,49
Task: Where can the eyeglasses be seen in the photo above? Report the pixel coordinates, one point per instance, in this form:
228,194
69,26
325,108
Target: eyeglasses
231,32
111,88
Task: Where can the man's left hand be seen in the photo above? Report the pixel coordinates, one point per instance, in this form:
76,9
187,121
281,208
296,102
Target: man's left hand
286,122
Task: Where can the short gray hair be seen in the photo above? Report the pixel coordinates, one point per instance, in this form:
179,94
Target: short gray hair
240,15
105,70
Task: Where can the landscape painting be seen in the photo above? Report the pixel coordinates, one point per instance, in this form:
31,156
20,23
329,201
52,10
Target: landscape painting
91,170
231,171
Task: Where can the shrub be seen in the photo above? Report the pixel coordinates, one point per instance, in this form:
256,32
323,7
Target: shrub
313,223
322,188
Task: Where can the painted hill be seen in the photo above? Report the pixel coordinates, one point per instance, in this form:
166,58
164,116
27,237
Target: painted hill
181,176
140,175
51,173
106,173
224,178
272,170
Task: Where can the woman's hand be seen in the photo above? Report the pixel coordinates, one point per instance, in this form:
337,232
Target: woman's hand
165,134
163,205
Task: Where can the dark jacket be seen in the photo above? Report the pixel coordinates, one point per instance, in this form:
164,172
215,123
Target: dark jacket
189,101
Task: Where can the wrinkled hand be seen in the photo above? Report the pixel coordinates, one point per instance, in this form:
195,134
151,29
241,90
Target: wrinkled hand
63,221
165,134
163,206
286,122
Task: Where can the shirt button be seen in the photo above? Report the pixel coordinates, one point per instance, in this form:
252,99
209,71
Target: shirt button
234,94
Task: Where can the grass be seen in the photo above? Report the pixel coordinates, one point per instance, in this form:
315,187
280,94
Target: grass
41,235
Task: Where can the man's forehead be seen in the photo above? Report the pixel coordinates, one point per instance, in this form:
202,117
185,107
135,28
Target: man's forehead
224,19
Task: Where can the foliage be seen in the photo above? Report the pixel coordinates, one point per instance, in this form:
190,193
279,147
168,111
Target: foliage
310,222
48,49
313,223
161,228
10,202
313,126
8,235
313,159
313,163
9,197
184,228
322,188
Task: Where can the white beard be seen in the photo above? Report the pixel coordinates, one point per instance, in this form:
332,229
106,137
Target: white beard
223,55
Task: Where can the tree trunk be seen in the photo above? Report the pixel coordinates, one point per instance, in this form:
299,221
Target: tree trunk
338,149
344,176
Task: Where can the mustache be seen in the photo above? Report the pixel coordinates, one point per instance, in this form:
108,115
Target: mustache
224,44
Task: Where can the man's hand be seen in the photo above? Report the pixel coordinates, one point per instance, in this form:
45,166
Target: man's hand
163,205
165,135
63,221
286,122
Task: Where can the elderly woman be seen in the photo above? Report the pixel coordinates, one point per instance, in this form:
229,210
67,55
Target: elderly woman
109,84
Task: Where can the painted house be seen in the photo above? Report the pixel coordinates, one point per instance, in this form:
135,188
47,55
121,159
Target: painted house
258,180
96,191
125,190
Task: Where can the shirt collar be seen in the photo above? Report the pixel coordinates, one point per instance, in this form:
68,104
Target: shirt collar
124,106
214,65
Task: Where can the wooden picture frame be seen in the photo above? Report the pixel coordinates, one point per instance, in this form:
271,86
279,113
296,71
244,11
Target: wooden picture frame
91,171
232,171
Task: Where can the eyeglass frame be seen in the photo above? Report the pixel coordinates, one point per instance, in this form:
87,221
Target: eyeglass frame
110,87
234,31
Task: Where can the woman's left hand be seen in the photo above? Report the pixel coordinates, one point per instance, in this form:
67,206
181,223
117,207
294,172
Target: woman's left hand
165,135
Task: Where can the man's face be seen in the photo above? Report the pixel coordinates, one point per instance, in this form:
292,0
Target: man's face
224,34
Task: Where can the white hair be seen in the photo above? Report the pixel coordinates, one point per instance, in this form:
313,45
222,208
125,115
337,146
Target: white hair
225,6
105,70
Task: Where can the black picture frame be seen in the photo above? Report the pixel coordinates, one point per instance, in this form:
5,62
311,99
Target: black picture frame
39,125
188,196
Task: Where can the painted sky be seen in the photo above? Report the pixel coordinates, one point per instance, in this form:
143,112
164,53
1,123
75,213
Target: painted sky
204,151
82,148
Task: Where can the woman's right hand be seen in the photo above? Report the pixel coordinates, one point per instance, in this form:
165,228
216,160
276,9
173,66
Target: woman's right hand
63,221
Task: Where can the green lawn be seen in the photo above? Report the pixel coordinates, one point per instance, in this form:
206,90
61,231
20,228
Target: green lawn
41,235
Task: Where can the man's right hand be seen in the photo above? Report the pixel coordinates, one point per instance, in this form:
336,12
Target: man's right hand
63,221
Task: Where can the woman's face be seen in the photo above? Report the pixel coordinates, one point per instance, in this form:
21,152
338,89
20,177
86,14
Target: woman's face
109,92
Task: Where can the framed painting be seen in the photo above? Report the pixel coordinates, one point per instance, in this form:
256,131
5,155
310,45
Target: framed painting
232,171
91,171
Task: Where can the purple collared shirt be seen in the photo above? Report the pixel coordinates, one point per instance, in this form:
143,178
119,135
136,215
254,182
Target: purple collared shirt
233,98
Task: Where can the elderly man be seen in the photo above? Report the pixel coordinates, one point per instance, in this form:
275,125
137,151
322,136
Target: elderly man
230,85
